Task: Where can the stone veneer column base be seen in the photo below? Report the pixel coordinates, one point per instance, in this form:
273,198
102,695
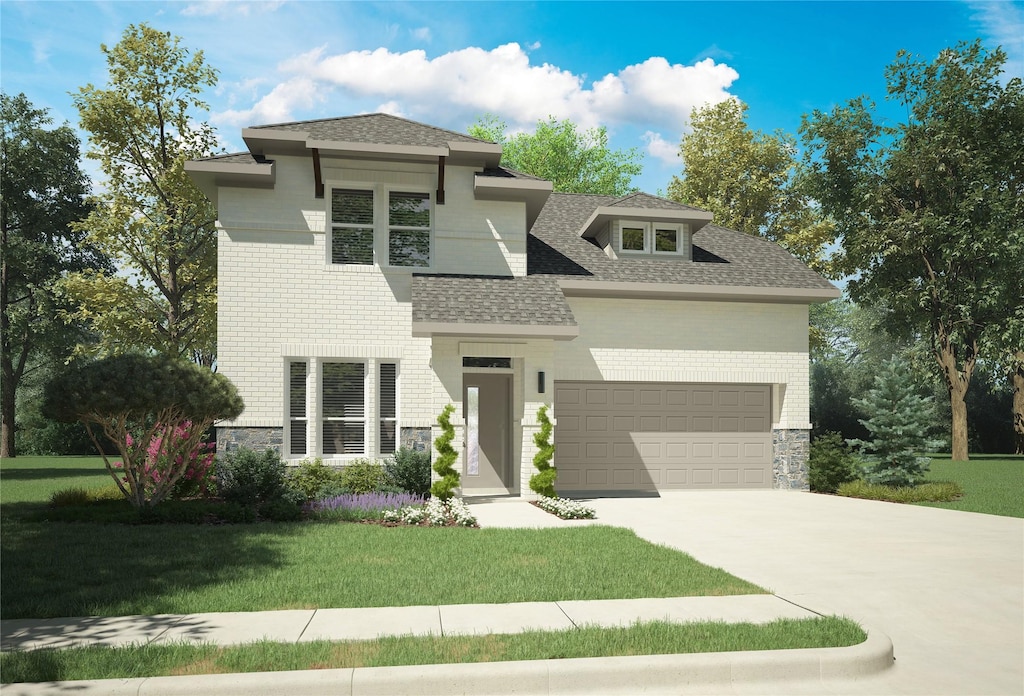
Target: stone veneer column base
416,439
790,453
231,438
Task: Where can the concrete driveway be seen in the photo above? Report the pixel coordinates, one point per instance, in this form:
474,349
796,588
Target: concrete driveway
946,586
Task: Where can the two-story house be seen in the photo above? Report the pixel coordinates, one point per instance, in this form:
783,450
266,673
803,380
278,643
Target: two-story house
373,270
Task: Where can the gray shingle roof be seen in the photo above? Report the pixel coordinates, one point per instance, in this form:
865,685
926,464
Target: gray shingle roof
646,200
534,301
235,158
721,256
378,129
507,173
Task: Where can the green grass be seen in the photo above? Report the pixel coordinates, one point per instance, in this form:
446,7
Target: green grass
33,479
925,492
654,638
992,484
60,569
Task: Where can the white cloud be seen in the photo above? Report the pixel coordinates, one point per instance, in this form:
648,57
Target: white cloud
658,147
421,33
41,50
464,83
1004,24
391,107
534,46
228,8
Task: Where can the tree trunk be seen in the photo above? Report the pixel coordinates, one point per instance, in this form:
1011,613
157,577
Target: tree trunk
7,382
1018,402
7,418
957,382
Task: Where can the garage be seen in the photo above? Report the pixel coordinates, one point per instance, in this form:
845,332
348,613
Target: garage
647,436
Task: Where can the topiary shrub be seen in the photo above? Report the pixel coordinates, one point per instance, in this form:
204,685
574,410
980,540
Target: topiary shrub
250,478
446,456
543,482
136,400
409,469
831,464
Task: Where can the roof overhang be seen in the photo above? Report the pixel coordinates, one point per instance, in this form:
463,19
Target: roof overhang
534,192
261,141
605,213
557,332
212,173
680,291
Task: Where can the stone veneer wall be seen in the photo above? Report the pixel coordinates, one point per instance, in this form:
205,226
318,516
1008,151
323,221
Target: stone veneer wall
229,439
790,452
416,439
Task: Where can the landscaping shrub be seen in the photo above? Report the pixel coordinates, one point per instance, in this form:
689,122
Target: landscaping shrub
313,479
446,456
365,476
566,509
831,463
358,507
543,482
938,491
249,478
434,513
69,496
409,469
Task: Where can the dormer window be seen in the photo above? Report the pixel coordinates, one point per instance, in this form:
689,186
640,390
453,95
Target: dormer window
656,238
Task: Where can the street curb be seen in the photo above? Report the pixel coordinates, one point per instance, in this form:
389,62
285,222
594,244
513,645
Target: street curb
631,674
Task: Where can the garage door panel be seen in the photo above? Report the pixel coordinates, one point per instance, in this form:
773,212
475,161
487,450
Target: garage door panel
645,436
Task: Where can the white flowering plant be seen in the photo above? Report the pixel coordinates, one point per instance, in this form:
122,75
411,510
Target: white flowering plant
434,513
566,509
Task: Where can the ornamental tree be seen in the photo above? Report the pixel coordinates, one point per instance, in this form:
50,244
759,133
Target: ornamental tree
154,409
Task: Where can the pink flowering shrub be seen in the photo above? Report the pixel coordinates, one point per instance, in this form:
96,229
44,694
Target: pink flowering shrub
174,456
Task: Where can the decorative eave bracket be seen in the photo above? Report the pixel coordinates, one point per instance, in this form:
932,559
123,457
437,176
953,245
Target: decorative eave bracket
318,176
439,198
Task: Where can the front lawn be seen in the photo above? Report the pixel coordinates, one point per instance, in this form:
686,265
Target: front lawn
992,483
31,480
654,638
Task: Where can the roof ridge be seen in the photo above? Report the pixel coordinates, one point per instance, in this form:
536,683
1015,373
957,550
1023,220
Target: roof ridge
377,114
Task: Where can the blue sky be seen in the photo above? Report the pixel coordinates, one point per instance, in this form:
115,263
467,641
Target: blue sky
637,68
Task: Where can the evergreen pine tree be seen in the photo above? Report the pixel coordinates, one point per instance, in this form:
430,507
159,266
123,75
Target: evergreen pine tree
898,421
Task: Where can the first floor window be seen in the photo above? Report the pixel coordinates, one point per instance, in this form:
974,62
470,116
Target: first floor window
297,407
343,426
388,406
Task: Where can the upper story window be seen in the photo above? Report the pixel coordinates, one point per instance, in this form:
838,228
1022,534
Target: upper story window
382,226
653,238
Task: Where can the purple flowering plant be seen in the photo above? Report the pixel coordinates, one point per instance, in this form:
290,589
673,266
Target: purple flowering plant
355,507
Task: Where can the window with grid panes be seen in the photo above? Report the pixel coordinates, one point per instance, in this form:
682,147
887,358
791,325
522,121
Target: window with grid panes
297,407
408,229
387,407
352,226
343,408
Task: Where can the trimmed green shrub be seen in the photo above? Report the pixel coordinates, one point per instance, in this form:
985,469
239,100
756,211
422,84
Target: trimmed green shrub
409,469
69,496
249,478
543,482
313,479
446,456
931,492
831,463
364,476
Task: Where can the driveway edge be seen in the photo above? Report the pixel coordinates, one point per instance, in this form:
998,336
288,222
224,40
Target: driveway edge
628,674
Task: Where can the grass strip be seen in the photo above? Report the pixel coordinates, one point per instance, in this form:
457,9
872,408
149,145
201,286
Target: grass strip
60,569
649,638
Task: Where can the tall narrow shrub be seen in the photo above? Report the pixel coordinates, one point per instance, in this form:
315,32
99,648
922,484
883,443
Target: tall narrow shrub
446,456
543,482
898,420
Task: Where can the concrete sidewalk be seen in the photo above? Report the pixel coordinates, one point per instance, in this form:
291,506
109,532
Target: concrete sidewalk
230,628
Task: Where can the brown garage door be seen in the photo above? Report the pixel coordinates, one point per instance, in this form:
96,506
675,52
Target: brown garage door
654,435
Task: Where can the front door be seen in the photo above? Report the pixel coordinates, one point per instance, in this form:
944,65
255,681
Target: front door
487,404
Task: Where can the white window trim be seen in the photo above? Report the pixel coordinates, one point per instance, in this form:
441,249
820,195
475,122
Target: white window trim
650,243
314,408
381,223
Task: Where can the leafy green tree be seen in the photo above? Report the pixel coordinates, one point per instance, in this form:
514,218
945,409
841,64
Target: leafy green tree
135,401
574,160
748,180
42,192
151,217
931,210
898,421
